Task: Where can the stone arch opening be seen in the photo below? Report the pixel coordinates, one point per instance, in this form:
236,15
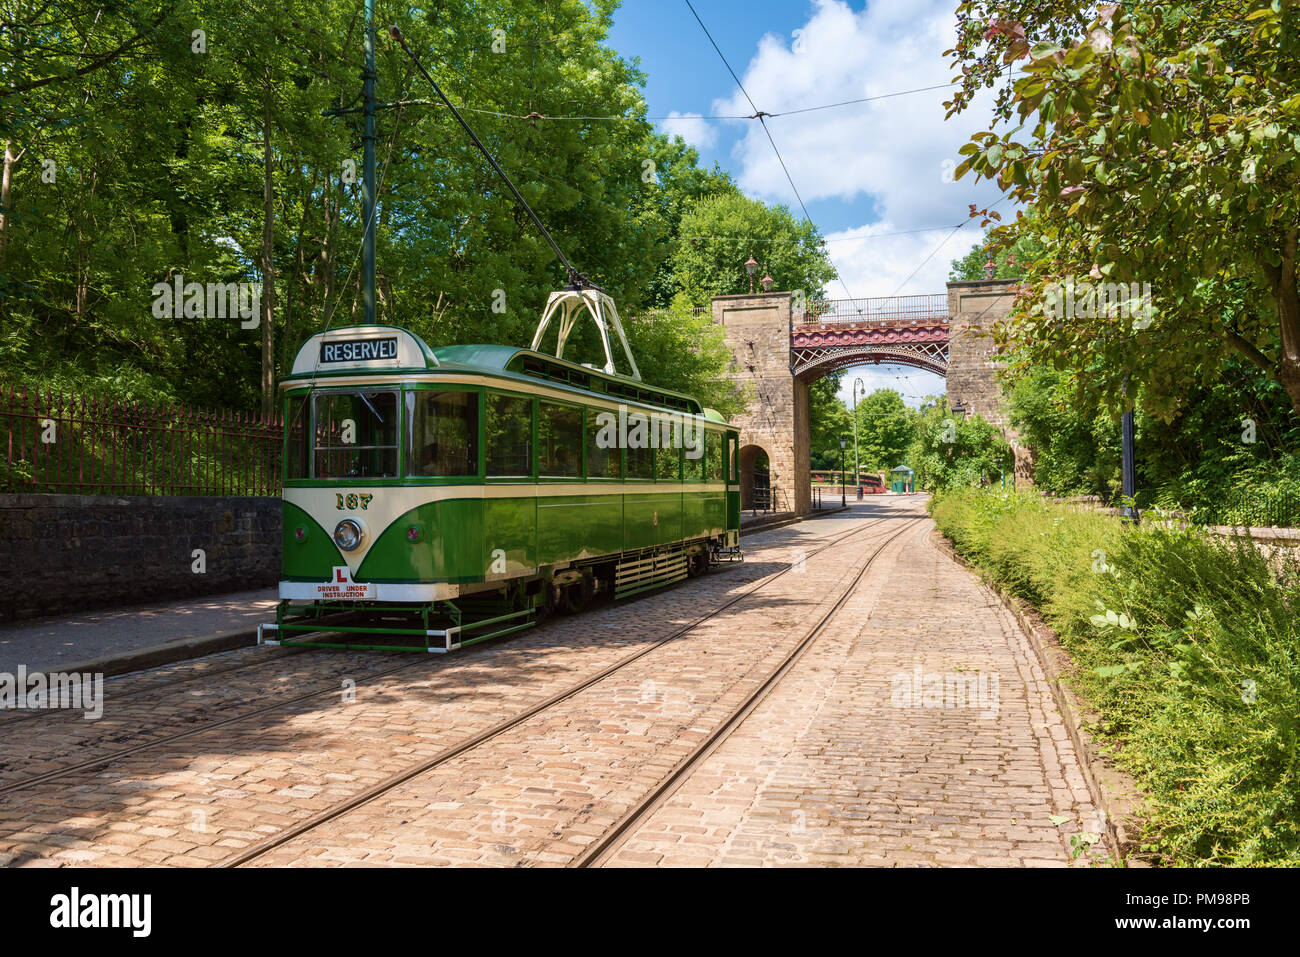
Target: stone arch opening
812,365
755,479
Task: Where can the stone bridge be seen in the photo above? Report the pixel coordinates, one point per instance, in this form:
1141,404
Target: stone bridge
781,345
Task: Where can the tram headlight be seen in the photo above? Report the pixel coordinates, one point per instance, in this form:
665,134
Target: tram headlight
348,534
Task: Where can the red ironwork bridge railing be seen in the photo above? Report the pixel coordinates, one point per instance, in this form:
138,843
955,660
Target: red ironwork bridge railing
875,310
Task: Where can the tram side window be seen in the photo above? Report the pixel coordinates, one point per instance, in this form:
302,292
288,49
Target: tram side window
640,463
509,436
693,468
713,457
559,440
356,435
603,457
443,433
667,464
297,456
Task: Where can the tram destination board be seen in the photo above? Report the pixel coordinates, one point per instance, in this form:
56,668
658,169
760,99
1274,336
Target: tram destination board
358,350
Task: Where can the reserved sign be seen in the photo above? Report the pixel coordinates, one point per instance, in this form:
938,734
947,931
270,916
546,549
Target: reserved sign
358,350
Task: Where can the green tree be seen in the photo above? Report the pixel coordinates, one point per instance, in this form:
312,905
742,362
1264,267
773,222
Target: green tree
1158,144
686,352
1009,261
163,149
954,451
828,420
719,233
886,429
1075,451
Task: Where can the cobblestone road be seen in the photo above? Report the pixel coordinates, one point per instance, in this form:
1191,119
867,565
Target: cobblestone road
843,762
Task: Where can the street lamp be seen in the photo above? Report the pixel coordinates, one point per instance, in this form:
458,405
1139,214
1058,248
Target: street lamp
751,267
767,282
843,498
857,465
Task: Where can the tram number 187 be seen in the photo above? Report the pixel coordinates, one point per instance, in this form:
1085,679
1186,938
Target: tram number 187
351,500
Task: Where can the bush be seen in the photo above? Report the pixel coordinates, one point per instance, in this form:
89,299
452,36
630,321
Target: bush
952,451
1189,648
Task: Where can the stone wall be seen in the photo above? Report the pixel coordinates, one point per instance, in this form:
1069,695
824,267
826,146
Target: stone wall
757,329
62,553
973,308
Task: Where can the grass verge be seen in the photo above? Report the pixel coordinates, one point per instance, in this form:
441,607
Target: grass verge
1188,647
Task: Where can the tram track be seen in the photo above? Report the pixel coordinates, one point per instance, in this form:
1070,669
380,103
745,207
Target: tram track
111,757
608,844
168,686
471,742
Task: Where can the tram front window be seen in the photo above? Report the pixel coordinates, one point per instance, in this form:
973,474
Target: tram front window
297,463
356,435
442,434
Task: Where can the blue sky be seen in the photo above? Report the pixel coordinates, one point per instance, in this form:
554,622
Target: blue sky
876,177
685,74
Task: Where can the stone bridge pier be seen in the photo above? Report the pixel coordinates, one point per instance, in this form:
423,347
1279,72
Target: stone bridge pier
775,423
973,308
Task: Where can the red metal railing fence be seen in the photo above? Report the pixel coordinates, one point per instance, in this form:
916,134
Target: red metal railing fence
55,442
880,309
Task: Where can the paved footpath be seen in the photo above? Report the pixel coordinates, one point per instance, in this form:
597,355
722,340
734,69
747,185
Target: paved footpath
46,643
843,764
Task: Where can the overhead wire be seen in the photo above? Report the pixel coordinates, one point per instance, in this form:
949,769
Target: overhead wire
760,116
943,242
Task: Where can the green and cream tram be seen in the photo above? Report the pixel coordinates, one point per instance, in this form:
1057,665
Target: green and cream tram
438,497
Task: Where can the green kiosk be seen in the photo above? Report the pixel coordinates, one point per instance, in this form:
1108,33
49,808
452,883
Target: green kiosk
901,479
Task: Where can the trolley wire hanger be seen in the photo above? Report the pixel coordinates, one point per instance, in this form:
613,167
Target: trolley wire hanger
581,294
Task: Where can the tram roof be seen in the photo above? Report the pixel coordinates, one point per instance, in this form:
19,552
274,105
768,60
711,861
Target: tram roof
353,350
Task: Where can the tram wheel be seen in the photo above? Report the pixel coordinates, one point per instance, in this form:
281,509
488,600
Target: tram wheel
573,599
697,564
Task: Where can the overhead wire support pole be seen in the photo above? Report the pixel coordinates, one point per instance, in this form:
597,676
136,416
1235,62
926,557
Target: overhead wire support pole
577,279
368,173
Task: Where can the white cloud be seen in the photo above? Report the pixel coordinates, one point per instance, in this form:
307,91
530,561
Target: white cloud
692,127
886,259
899,152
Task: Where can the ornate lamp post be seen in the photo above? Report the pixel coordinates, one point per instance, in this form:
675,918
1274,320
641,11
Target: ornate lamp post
843,498
751,267
857,465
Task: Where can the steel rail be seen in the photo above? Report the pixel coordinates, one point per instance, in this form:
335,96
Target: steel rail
20,716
